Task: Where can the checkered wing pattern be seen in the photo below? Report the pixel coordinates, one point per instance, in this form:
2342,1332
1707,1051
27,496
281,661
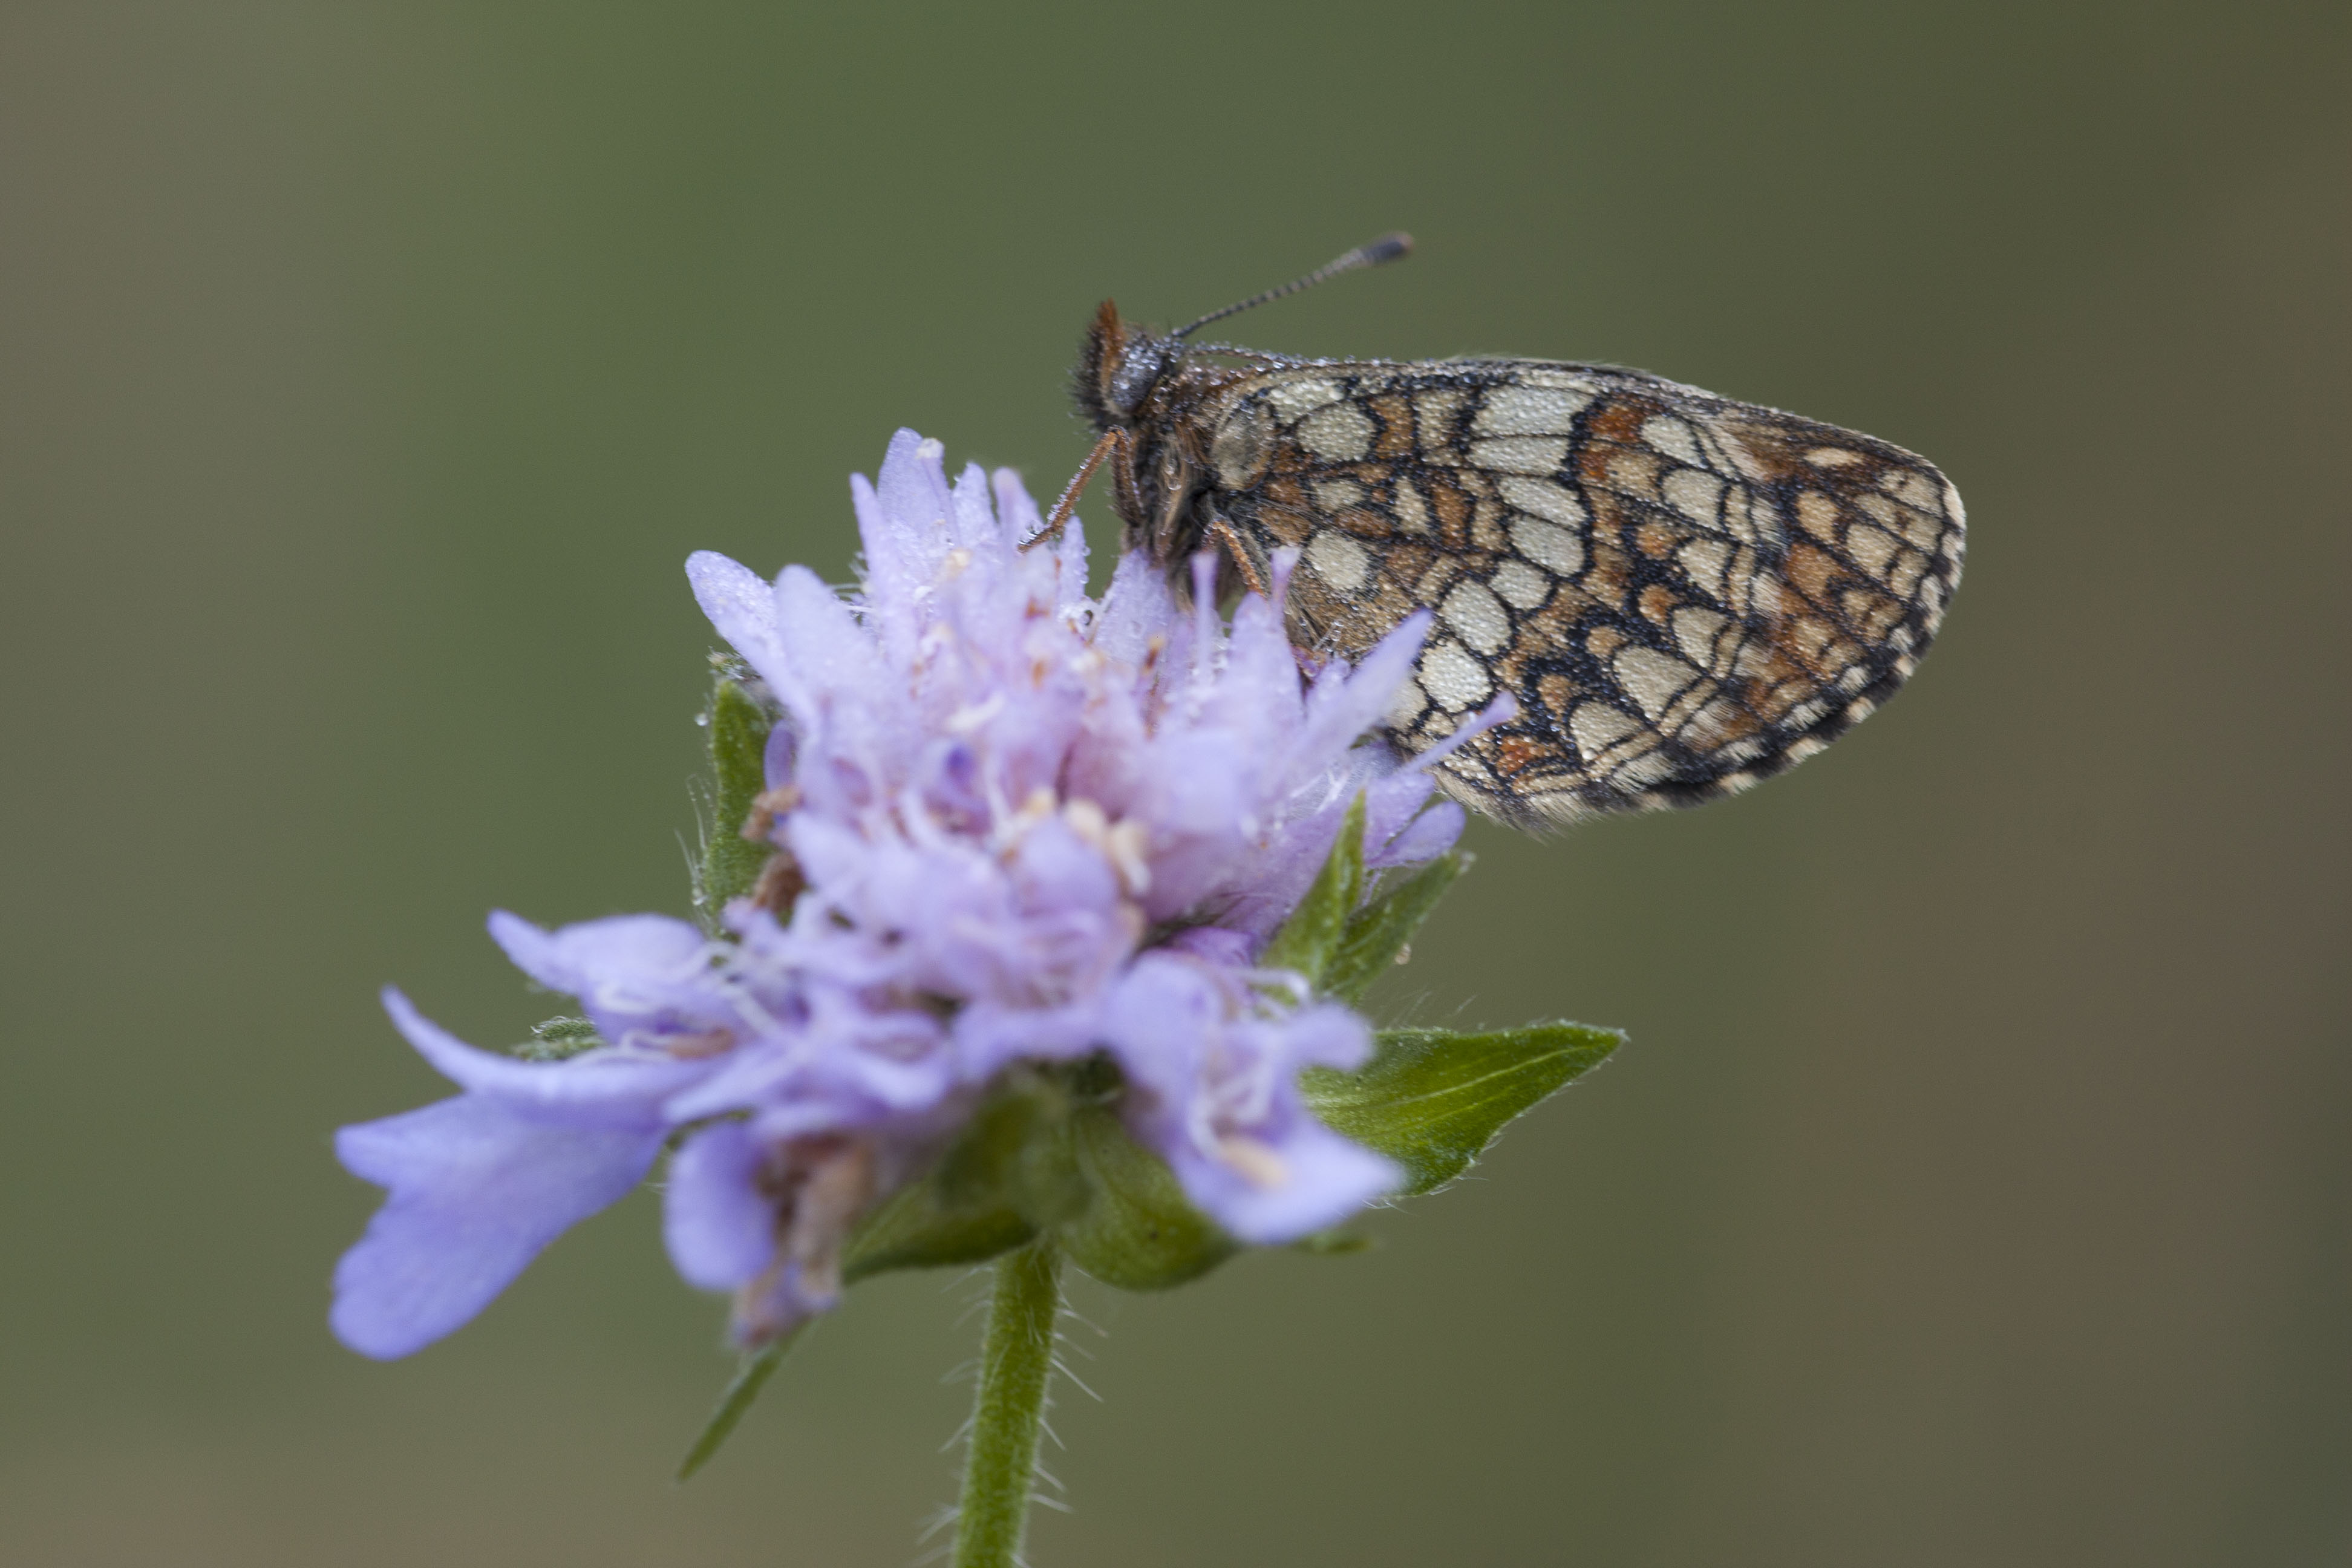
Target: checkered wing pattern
1685,594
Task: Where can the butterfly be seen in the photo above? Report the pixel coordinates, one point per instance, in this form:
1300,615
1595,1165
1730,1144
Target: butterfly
1683,593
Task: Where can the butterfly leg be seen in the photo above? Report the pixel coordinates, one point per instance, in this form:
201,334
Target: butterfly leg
1126,484
1225,534
1066,502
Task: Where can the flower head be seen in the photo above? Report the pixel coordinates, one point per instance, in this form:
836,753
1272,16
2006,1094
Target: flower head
1010,824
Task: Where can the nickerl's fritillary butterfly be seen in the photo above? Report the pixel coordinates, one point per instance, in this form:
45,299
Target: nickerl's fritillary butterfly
1685,594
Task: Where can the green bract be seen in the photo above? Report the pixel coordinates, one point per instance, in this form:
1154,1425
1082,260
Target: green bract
730,863
1432,1099
557,1039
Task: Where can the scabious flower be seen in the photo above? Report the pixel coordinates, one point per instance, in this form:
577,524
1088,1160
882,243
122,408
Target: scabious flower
1011,823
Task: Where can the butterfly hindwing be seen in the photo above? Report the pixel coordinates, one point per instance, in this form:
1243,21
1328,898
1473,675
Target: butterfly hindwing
1685,594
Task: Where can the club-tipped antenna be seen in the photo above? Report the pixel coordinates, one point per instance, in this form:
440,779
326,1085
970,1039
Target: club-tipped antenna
1388,248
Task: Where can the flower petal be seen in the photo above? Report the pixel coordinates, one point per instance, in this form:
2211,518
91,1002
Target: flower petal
905,531
721,1229
742,607
477,1192
603,1088
1317,1179
1425,837
606,958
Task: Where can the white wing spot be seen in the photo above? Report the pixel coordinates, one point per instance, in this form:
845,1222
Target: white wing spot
1872,548
1412,512
1905,574
1553,503
1338,495
1674,438
1521,585
1515,454
1239,450
1911,489
1339,559
1552,375
1529,411
1477,617
1292,398
1596,726
1337,433
1705,560
1651,678
1695,630
1553,547
1452,676
1435,412
1694,492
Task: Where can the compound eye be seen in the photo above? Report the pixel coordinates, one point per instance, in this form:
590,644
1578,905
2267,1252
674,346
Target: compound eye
1139,367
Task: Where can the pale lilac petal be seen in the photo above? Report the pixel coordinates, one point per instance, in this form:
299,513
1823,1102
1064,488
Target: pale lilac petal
834,656
1137,608
720,1229
1014,507
890,1067
1324,1178
776,757
476,1194
1339,711
608,958
914,507
972,509
1327,1034
742,607
603,1088
989,1037
1425,837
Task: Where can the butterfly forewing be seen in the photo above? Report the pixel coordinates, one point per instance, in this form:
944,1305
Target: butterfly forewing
1685,594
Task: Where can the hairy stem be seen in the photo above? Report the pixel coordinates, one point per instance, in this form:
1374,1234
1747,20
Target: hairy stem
1016,1359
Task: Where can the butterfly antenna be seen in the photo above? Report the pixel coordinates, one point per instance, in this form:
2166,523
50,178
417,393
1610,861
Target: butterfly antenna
1388,248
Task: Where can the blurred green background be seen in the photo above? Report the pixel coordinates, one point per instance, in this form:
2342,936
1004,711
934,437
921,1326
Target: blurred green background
1975,1189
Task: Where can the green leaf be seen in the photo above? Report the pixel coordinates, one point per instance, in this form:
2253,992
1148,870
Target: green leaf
1309,938
1138,1230
749,1377
1011,1172
977,1200
1045,1154
1432,1099
730,863
1376,933
919,1227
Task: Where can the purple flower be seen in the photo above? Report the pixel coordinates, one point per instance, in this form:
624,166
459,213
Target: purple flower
1021,824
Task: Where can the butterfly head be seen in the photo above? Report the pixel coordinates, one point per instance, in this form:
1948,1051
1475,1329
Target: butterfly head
1118,365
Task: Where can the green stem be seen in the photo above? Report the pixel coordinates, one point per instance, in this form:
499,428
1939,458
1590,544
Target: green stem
1016,1359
